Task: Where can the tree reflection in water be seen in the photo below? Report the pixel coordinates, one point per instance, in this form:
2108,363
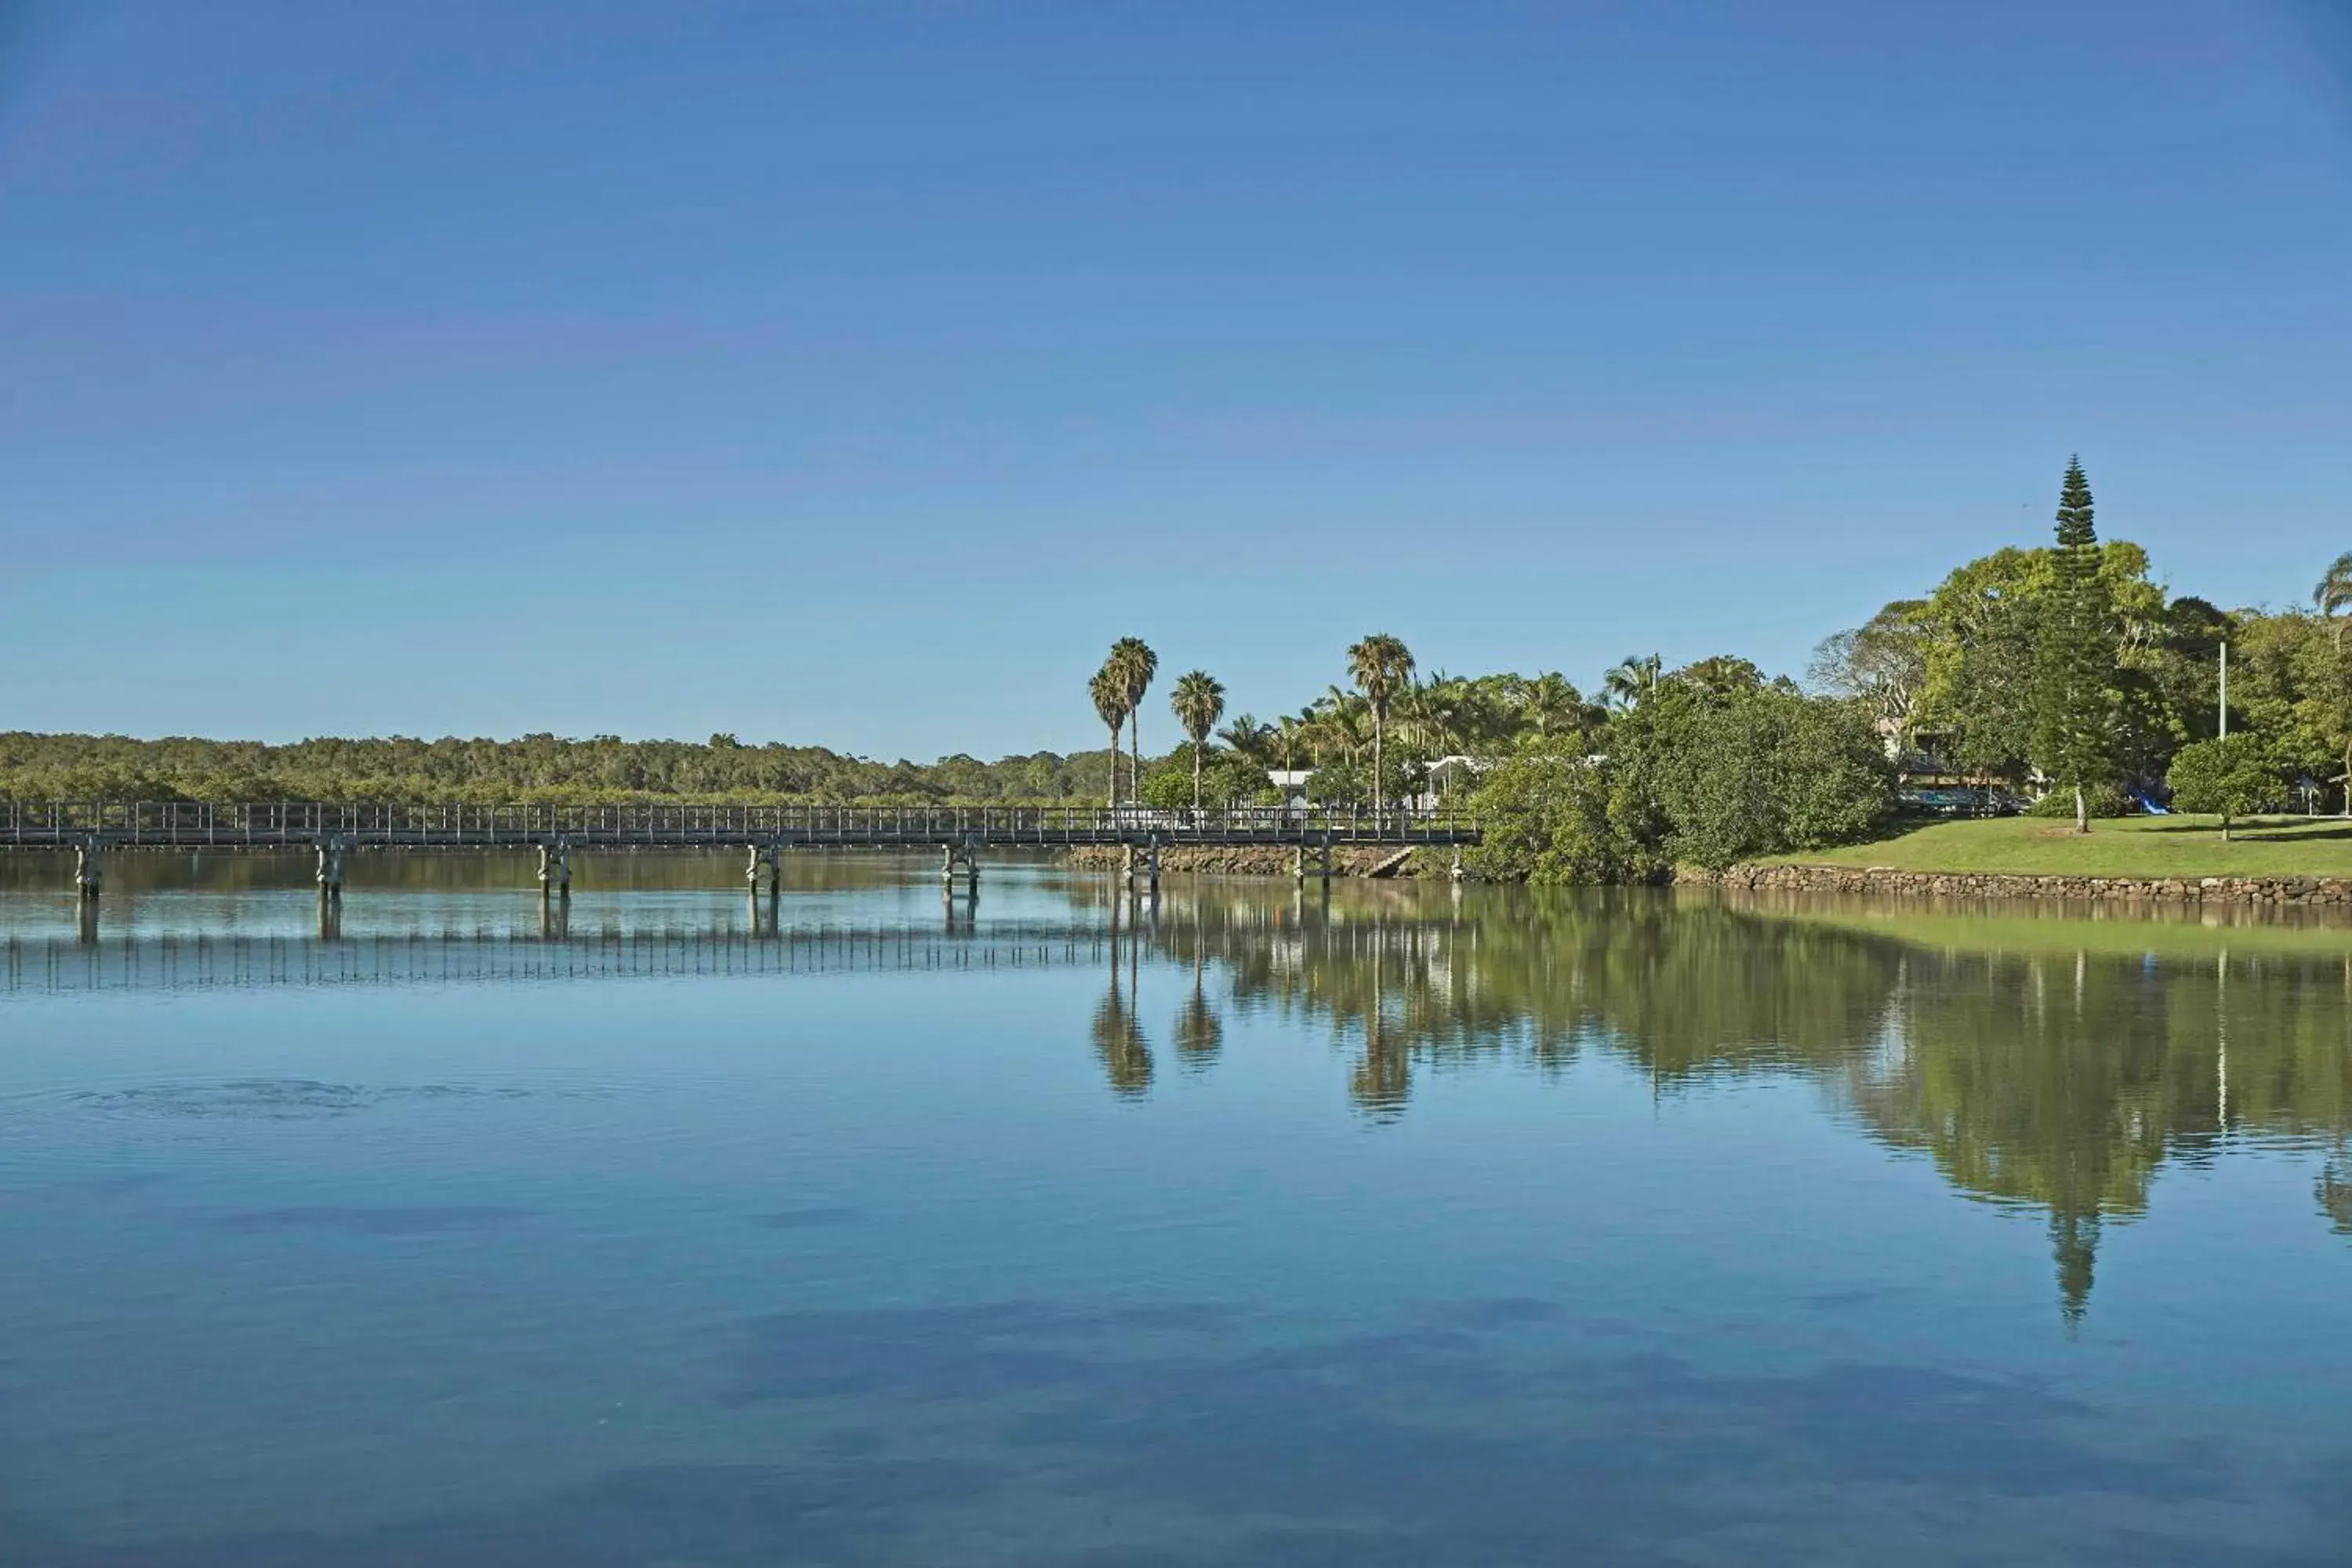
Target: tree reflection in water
1200,1030
1117,1033
2037,1061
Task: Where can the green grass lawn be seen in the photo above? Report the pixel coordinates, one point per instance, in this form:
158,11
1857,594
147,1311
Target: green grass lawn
2123,847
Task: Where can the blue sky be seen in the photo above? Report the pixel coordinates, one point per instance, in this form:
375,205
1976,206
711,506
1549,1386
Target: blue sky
853,373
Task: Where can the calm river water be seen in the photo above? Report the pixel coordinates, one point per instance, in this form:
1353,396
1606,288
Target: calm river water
1403,1227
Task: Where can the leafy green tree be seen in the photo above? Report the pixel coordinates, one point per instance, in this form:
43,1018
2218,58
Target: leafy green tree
1980,632
2076,660
2189,665
1198,701
2286,683
1338,784
1882,663
1382,666
2332,594
1223,778
2233,777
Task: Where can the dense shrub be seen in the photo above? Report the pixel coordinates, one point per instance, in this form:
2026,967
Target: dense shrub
1706,777
1546,817
2099,800
1765,772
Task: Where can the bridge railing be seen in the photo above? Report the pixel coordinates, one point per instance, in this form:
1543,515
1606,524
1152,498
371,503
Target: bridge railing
261,824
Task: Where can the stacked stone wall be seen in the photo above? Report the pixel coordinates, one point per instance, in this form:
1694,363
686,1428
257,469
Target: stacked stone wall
1885,879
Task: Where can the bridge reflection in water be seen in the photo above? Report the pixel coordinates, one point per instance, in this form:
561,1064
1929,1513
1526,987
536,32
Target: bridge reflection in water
169,962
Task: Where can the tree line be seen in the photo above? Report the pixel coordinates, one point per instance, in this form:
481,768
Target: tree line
2066,668
541,769
2065,671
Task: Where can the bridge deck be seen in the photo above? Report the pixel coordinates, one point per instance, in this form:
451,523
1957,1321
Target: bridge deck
286,825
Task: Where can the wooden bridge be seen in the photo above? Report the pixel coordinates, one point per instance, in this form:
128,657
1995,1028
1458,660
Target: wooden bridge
91,829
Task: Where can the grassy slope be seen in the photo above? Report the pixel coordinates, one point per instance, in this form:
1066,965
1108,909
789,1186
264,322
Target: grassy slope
2126,847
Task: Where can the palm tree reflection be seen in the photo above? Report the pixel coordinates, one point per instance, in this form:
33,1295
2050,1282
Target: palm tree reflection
1200,1029
1118,1033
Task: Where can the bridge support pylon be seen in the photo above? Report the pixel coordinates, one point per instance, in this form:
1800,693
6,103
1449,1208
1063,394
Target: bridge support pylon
90,866
334,852
555,870
767,860
965,855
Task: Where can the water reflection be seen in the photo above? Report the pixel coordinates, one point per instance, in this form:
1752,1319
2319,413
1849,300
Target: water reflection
1199,1028
2037,1060
1117,1033
2047,1072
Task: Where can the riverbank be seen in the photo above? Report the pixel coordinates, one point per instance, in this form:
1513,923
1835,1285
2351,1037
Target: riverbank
1887,880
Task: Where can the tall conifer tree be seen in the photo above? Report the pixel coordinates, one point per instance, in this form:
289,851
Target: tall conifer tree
2074,673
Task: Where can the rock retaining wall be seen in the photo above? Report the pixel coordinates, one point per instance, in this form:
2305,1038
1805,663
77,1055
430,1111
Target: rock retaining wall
1885,879
1263,860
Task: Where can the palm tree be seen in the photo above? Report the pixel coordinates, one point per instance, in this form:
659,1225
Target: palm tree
2334,593
1722,675
1135,664
1198,701
2335,590
1110,693
1250,738
1549,705
1636,678
1380,666
1336,722
1290,733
